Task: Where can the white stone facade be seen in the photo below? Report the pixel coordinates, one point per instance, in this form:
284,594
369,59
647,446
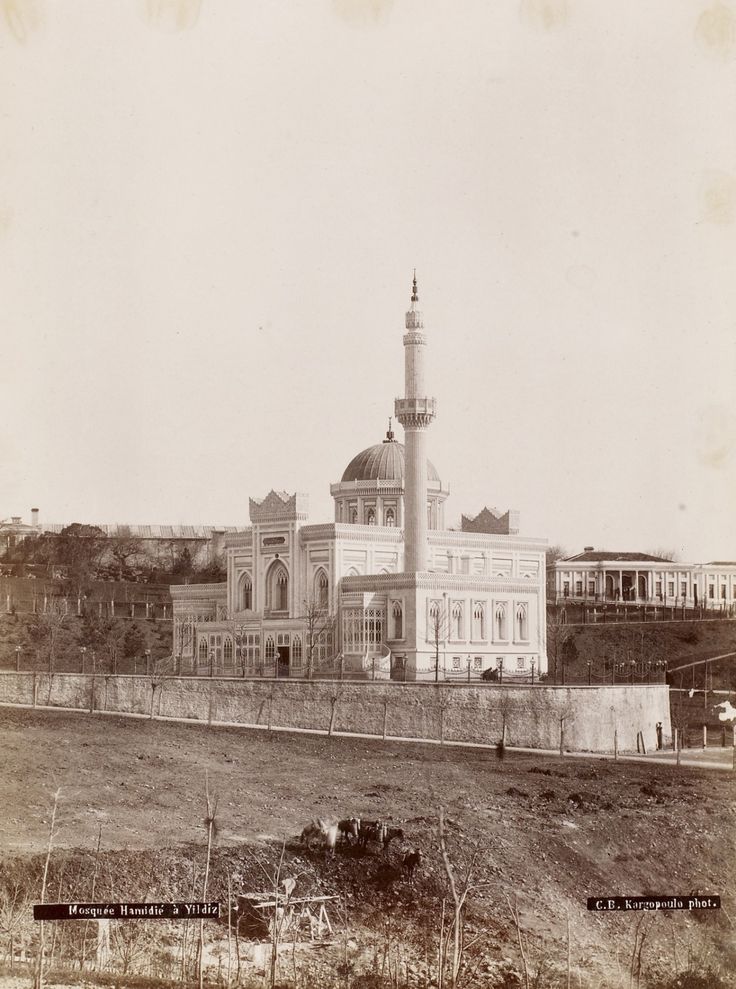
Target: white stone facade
384,590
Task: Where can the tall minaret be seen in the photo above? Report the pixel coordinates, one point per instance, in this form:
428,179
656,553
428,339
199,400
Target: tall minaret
415,412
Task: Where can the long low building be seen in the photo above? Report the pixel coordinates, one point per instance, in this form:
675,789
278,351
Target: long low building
607,576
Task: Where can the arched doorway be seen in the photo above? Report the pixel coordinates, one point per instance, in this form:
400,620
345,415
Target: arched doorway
610,592
277,589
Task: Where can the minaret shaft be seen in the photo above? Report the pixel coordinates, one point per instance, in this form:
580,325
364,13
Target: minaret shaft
415,412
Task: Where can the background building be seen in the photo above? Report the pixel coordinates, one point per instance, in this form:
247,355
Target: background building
603,575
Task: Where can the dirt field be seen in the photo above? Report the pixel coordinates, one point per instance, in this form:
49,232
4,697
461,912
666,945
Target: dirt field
551,832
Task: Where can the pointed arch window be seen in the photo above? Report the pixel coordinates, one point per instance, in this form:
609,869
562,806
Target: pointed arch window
246,593
389,517
435,625
522,624
370,517
203,650
457,620
397,615
354,516
296,650
500,621
270,649
479,621
278,595
321,589
227,651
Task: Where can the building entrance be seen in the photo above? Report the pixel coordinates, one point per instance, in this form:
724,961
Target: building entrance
282,661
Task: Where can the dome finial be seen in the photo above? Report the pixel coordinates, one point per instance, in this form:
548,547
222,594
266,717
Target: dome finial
415,290
389,433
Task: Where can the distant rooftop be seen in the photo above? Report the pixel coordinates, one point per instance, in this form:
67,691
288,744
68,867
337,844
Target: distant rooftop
598,555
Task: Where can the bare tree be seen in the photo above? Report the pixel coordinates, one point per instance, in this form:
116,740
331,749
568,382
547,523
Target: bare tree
555,553
558,634
461,883
38,982
184,637
320,631
123,548
14,911
210,825
51,628
663,554
437,632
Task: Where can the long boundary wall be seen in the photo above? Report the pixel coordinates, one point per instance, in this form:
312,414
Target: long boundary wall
586,717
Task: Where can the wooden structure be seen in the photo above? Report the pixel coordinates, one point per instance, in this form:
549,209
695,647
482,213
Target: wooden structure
297,918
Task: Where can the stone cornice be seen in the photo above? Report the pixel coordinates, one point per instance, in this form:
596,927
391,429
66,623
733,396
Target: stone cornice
347,532
482,540
197,592
239,539
425,580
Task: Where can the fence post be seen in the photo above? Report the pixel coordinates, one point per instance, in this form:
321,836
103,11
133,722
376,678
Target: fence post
705,736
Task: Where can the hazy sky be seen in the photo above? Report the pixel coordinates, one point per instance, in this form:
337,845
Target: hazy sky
209,216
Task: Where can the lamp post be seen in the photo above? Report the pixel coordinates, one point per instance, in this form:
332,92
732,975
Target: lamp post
17,658
94,662
83,653
212,661
148,662
532,673
500,670
590,672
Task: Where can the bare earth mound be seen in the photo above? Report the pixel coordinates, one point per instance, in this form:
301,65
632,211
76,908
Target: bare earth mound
547,833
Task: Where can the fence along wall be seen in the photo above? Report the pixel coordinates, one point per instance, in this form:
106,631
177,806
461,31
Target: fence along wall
532,716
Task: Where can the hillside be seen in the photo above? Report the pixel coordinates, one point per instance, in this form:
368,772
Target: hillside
545,834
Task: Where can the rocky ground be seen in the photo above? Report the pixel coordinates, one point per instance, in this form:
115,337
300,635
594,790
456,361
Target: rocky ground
543,833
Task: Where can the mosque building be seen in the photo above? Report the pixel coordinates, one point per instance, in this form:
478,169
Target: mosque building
384,590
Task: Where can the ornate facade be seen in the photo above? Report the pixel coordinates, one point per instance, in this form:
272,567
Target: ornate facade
384,590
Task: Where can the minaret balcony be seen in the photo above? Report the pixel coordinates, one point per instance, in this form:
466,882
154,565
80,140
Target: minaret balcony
415,413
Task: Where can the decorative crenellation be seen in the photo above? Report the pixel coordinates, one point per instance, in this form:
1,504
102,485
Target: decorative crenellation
279,506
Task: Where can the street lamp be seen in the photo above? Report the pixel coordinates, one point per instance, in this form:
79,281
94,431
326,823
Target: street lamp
83,653
500,670
17,658
590,674
532,673
212,661
148,662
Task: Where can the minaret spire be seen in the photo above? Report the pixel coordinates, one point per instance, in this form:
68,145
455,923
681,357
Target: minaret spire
415,412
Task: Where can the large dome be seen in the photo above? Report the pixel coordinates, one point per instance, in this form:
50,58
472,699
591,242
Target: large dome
382,462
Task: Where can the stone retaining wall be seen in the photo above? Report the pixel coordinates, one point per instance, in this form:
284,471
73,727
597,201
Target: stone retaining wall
532,716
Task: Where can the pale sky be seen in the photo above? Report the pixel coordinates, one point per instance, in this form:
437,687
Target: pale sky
209,216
